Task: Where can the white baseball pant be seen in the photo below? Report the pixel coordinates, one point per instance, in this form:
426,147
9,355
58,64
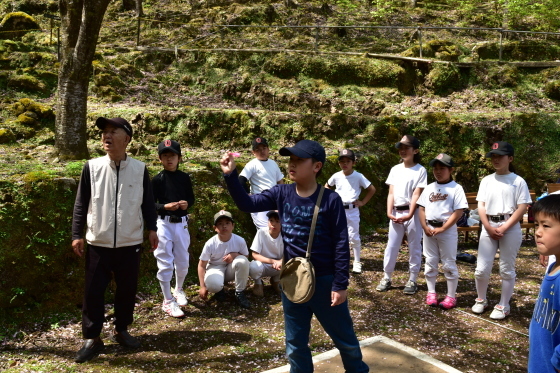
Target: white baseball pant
442,247
353,219
217,275
413,230
257,270
173,248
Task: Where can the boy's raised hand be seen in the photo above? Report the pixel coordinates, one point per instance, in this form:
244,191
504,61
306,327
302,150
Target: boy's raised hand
227,163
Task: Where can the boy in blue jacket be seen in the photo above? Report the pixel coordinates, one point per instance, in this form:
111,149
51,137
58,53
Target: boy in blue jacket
330,252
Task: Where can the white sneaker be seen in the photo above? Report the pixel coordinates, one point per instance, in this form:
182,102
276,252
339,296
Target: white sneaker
172,308
357,267
499,312
479,305
180,297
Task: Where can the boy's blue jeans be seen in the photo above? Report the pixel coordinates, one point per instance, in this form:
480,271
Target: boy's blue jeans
336,321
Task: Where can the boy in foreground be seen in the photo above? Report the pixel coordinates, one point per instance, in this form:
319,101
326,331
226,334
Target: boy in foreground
267,249
544,334
224,259
330,254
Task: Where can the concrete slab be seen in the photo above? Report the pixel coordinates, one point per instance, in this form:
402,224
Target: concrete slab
381,354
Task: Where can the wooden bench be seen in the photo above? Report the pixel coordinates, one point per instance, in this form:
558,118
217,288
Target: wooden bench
473,204
552,187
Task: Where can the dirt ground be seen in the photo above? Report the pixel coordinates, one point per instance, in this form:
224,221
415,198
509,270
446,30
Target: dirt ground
222,337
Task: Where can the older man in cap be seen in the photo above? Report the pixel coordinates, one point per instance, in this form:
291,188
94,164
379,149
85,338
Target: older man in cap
114,200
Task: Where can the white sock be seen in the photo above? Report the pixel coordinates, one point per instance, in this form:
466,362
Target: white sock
166,289
452,287
387,276
179,281
356,254
481,287
431,282
507,291
413,276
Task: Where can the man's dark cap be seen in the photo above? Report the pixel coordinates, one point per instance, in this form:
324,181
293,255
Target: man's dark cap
258,141
347,153
169,146
500,148
101,123
408,140
222,214
305,149
444,159
273,214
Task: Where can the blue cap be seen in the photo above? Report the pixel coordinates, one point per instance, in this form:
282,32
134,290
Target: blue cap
305,149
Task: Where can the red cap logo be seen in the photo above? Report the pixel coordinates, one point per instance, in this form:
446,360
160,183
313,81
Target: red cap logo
258,139
404,139
222,212
167,143
345,151
440,156
495,145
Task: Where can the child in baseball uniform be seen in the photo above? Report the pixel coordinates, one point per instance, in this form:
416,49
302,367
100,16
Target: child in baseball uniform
544,331
406,182
349,184
224,259
440,207
502,198
173,194
267,250
262,173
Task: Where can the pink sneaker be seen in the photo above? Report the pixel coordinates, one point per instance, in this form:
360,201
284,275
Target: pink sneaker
448,303
431,299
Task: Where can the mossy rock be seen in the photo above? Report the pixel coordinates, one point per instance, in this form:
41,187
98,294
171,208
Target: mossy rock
28,105
444,50
27,83
443,78
552,89
104,91
28,119
130,71
48,77
15,25
107,80
7,136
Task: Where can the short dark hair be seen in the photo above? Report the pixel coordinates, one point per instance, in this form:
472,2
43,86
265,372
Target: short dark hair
548,206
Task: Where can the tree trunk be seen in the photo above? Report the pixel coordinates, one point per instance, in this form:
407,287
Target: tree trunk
80,24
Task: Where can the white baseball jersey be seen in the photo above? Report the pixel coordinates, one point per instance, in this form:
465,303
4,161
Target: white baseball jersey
502,193
405,180
214,250
349,187
262,175
264,244
441,200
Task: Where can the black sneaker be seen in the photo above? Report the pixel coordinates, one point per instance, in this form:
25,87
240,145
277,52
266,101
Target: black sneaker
221,295
89,350
242,299
126,340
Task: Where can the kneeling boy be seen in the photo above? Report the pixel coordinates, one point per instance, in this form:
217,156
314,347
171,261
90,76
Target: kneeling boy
223,259
268,250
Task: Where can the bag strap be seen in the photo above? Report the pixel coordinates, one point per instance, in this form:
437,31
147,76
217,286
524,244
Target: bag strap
314,222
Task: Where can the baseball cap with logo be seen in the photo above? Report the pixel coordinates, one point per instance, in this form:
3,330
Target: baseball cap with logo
258,141
169,146
347,153
101,123
408,140
305,149
222,214
444,159
500,148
